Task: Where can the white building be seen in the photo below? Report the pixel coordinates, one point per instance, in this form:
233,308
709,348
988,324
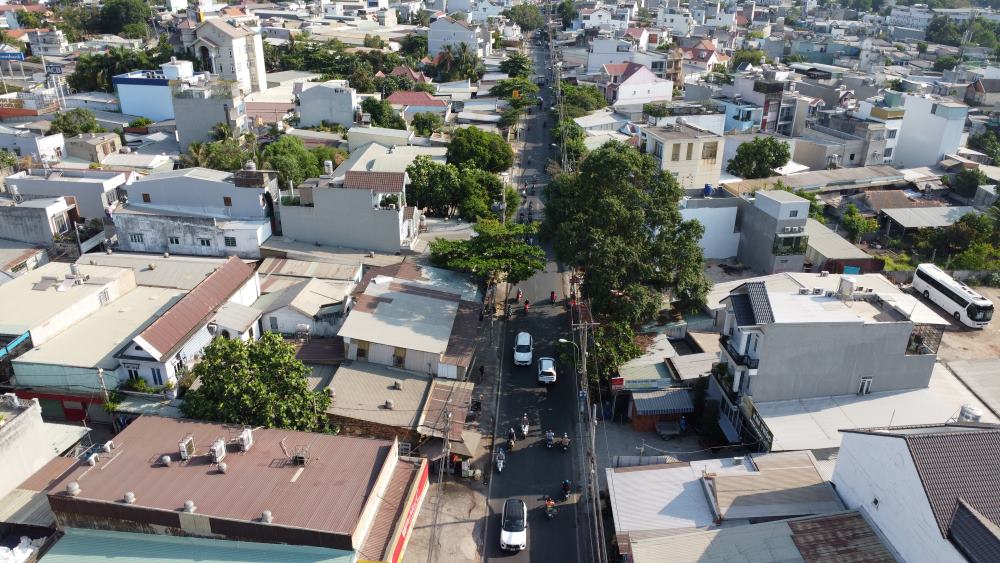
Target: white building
318,305
914,17
888,110
333,101
233,52
633,83
48,148
602,18
692,155
94,190
146,93
679,22
923,113
606,50
930,490
718,216
447,31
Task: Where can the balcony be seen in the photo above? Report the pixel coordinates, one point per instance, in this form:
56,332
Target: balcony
739,359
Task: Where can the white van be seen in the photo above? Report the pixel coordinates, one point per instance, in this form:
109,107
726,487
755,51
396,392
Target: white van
523,348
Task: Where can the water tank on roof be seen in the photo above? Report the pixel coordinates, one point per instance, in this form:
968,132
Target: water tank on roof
970,413
707,191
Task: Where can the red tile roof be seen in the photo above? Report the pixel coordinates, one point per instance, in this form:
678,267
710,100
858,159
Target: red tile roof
402,98
615,69
635,32
403,70
169,332
386,182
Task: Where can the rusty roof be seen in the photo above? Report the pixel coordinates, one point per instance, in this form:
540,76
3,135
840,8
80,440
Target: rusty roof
389,512
462,342
838,537
172,329
48,475
387,182
450,394
308,269
328,494
406,270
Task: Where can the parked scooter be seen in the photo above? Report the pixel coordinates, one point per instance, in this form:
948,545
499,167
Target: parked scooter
552,297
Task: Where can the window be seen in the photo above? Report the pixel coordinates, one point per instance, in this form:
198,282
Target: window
230,241
362,350
891,133
136,238
146,198
887,153
689,151
658,149
157,376
709,151
133,371
274,323
60,223
675,152
173,240
399,357
852,156
793,213
205,242
227,201
103,297
866,386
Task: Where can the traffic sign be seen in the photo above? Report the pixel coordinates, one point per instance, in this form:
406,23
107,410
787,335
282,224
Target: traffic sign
11,56
53,69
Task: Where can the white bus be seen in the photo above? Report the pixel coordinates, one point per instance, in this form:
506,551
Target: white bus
964,304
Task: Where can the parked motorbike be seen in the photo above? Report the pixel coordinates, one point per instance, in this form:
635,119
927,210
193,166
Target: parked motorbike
550,508
501,459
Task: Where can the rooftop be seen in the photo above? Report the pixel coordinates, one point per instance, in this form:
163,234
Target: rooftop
93,341
376,157
980,376
803,424
27,305
677,132
402,315
99,546
307,269
824,180
927,217
328,494
831,245
307,296
155,270
362,389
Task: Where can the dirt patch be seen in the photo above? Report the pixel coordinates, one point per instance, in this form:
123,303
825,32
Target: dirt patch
961,343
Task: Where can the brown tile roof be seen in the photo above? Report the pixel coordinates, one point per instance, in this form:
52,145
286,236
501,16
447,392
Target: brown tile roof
838,537
423,99
895,199
450,394
385,182
171,330
405,71
328,494
405,270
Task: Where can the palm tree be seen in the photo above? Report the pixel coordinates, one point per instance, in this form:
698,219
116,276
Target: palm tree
221,131
445,61
196,155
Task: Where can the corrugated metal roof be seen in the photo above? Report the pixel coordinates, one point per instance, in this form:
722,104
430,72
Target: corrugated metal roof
236,316
169,332
362,388
786,484
100,546
838,537
760,543
829,244
307,269
465,329
327,495
450,394
823,180
389,512
927,217
387,182
663,401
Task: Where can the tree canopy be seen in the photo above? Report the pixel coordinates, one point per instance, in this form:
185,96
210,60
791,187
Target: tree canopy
567,12
291,159
967,181
759,158
528,16
581,100
755,57
256,383
75,121
95,71
425,123
618,218
856,224
116,14
382,114
497,249
517,64
444,188
471,146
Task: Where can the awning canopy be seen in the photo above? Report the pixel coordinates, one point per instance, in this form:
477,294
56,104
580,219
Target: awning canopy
663,401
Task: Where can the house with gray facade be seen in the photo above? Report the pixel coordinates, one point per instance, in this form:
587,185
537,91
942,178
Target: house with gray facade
773,232
37,221
845,335
333,101
202,102
94,190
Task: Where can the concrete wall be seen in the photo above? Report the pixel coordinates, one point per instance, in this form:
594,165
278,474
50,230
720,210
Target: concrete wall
443,33
721,239
24,446
82,309
759,228
196,117
333,104
194,195
51,147
144,98
693,173
26,224
343,217
914,147
415,360
288,319
90,196
877,467
156,230
799,361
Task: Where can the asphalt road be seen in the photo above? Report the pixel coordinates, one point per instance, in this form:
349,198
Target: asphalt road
533,471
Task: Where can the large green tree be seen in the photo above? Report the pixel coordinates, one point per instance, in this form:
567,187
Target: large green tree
968,181
856,224
433,186
517,65
618,218
256,383
497,251
759,158
75,121
471,146
382,114
426,123
293,161
567,12
528,16
116,14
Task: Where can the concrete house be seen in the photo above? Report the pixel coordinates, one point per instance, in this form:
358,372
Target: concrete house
201,212
929,113
983,92
93,147
409,104
691,154
146,93
37,221
233,51
863,337
333,101
447,31
928,489
315,306
773,232
416,318
93,190
25,143
202,102
633,83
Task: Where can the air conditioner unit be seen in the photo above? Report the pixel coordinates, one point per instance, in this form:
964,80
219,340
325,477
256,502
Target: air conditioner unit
246,439
186,447
788,229
804,291
218,450
817,291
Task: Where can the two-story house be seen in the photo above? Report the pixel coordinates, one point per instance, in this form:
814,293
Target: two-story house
773,231
691,154
333,101
632,83
448,31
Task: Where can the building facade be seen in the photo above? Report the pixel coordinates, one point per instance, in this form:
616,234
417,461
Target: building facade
691,154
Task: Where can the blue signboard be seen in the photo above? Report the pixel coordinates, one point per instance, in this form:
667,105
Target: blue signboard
11,56
54,69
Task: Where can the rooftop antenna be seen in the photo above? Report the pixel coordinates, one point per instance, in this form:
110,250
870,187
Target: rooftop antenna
283,448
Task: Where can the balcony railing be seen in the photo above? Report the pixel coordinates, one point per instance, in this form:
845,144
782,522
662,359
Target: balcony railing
741,359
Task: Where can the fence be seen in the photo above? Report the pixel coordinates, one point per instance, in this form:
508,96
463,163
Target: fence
974,277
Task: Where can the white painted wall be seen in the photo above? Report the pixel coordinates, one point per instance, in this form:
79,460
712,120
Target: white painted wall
289,319
25,446
333,101
870,467
915,147
146,100
195,195
719,240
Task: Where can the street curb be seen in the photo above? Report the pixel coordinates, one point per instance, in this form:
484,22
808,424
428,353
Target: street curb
496,419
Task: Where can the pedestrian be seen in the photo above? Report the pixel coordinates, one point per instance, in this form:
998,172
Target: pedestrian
482,371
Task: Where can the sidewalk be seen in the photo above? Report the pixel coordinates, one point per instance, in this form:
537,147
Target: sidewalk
461,505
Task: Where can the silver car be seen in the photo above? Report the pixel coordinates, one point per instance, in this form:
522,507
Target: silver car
546,370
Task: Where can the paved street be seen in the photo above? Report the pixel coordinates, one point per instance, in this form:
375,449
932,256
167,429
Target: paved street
534,471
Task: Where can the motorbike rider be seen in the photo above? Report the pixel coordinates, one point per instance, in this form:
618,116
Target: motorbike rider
566,488
550,437
565,441
552,296
550,506
524,420
527,305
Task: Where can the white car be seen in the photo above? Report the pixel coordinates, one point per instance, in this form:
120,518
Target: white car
523,348
514,525
546,370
